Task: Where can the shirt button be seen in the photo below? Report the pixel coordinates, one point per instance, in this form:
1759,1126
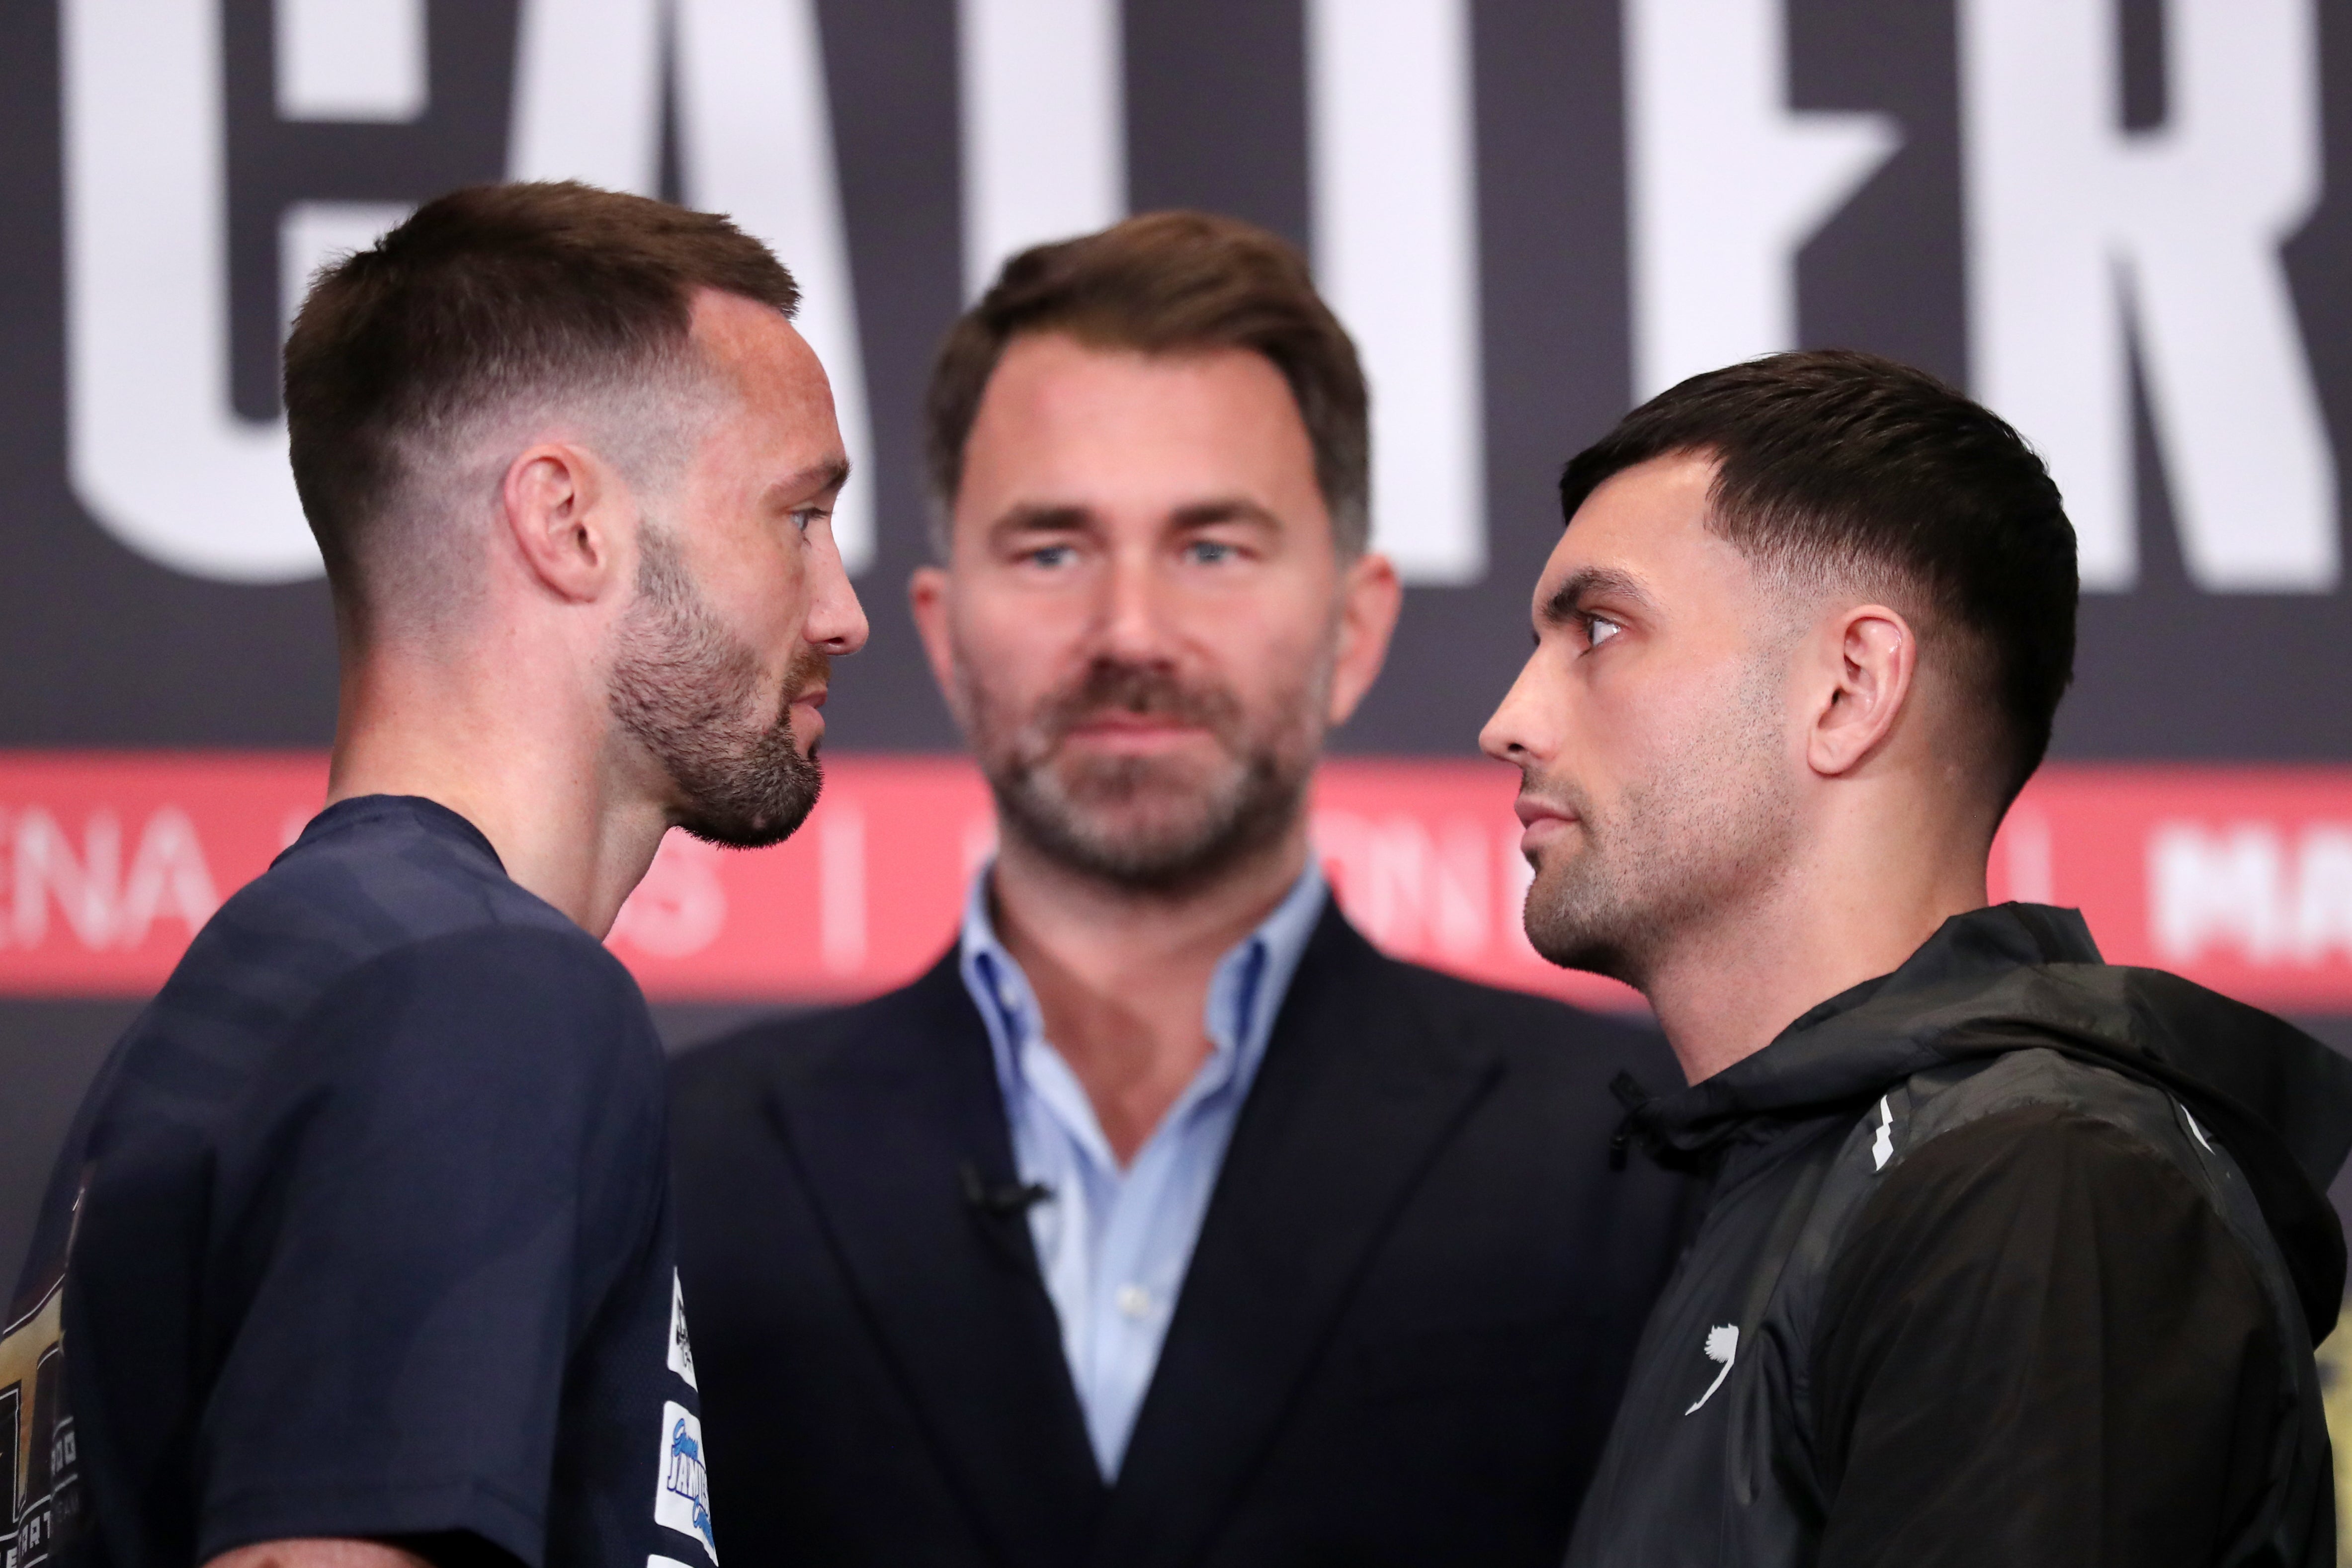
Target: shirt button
1133,1301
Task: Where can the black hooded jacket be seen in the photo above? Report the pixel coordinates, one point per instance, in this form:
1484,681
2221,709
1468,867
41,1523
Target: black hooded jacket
2012,1257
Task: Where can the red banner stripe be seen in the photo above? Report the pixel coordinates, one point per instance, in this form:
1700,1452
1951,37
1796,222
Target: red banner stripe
2239,877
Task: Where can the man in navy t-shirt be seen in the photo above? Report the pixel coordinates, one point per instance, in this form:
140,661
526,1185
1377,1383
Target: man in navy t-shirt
359,1253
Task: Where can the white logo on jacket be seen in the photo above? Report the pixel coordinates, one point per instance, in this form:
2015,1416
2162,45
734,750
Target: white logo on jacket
1722,1346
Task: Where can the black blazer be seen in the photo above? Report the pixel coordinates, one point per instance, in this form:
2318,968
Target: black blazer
1401,1340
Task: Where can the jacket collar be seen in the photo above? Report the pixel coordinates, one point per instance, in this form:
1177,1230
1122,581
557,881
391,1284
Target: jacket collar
901,1139
1850,1048
2023,977
1244,995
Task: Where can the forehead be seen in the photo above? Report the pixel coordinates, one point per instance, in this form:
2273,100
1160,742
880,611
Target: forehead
1648,525
766,362
1101,423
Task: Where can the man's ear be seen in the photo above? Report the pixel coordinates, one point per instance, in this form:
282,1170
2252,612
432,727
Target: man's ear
1369,600
928,595
562,508
1872,660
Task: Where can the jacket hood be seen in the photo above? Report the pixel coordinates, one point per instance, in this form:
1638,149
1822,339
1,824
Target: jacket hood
2021,977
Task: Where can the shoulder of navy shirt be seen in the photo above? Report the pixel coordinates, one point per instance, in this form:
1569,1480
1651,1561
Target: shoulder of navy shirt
1400,1337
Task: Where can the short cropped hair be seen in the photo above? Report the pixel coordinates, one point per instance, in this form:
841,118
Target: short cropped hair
1166,283
1835,467
488,300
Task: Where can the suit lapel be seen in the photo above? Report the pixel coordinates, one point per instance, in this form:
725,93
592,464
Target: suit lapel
881,1132
1358,1092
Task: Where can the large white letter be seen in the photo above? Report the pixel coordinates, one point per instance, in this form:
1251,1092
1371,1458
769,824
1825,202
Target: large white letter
1394,182
758,135
1725,181
2077,226
757,143
351,59
2210,889
587,93
1042,94
155,452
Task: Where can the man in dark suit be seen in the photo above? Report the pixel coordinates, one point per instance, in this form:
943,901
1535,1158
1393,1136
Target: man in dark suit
1164,1221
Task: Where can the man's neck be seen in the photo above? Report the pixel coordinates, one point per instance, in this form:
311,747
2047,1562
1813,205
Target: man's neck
525,761
1726,989
1122,977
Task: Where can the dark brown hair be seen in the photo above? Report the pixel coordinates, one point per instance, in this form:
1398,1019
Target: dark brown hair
1167,283
1835,465
484,297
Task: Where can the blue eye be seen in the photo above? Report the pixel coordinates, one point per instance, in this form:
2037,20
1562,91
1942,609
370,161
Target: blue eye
1208,552
1051,555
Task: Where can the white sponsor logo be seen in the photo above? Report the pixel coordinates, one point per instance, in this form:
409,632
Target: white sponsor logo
1722,1346
1882,1146
681,1352
682,1496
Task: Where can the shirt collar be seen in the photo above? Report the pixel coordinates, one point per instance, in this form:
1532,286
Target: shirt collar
1246,991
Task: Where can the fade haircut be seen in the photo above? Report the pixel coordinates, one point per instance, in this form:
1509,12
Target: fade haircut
1166,283
1836,468
490,306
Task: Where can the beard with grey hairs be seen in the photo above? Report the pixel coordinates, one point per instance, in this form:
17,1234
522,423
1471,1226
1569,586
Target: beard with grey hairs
688,690
1146,824
1697,841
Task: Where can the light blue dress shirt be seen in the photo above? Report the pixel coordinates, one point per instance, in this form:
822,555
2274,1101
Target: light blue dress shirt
1114,1244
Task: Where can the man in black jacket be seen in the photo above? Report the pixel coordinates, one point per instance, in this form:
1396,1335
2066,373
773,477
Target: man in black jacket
1164,1221
2012,1257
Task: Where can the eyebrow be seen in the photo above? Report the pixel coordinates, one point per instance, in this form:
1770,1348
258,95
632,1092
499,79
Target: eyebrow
813,480
1225,509
1067,516
1593,582
1058,516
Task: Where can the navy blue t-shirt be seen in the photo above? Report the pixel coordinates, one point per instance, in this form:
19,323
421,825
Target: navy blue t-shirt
363,1232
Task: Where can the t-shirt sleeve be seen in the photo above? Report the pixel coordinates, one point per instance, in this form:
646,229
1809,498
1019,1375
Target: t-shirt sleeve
436,1185
2041,1345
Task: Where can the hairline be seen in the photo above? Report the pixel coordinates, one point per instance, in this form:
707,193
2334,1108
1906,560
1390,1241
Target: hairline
1349,545
643,414
1863,578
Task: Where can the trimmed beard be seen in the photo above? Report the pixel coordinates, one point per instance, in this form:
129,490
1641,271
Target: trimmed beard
1696,842
688,690
1148,825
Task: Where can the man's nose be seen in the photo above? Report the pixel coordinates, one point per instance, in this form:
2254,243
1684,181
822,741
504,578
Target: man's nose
1133,622
836,621
1507,736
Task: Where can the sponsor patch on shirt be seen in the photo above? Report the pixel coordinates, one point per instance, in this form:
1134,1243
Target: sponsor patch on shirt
40,1487
681,1352
682,1500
